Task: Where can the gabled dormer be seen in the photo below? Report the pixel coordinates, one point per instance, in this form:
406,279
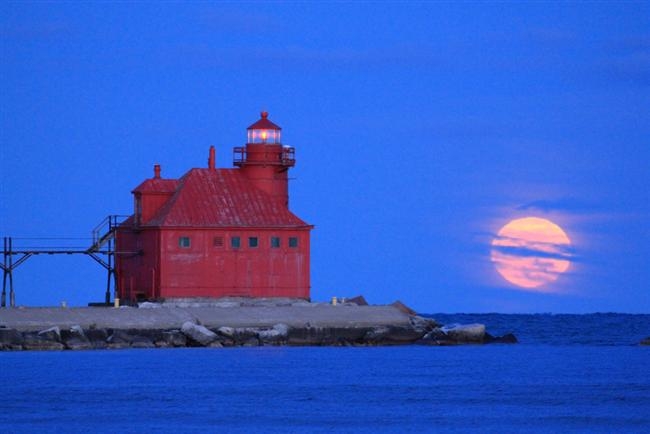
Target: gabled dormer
151,195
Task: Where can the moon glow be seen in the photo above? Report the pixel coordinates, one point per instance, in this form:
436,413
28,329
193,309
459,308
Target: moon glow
531,252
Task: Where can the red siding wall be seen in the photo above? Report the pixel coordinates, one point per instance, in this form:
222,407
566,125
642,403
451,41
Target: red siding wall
150,204
270,178
138,274
207,270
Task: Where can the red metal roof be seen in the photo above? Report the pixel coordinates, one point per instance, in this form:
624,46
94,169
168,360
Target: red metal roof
157,185
264,123
222,198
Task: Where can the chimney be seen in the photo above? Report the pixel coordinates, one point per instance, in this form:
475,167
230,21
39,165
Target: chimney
212,158
156,171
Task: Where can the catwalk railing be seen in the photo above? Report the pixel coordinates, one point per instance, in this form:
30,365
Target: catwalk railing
102,250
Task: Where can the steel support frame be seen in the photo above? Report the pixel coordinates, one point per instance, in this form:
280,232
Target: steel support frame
102,245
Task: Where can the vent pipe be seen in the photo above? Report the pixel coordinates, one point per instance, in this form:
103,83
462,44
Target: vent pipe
212,158
156,171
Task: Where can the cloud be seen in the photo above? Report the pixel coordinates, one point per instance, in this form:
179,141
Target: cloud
561,204
539,250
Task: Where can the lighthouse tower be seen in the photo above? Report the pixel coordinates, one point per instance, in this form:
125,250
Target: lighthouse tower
218,232
265,161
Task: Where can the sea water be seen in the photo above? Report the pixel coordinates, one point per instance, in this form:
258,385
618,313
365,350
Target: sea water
569,373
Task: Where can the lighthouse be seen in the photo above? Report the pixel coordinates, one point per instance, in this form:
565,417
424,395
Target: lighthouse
264,160
217,232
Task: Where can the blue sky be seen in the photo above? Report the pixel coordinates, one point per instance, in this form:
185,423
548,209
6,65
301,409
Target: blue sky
420,130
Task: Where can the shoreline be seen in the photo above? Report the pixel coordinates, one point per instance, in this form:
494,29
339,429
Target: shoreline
226,324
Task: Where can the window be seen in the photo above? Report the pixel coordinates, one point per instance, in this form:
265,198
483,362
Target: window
217,241
184,242
235,242
293,241
275,242
252,242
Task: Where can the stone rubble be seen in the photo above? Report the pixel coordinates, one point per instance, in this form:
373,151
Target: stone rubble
196,335
276,322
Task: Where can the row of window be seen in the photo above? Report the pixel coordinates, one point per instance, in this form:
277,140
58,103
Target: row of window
235,242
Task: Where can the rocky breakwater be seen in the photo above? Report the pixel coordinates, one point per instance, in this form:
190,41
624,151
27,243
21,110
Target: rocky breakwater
302,324
457,334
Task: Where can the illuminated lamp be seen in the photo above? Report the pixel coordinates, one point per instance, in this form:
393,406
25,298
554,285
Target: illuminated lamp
264,131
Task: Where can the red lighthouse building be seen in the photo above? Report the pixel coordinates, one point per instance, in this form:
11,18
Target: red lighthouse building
218,232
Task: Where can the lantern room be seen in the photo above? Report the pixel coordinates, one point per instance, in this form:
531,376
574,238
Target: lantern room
264,131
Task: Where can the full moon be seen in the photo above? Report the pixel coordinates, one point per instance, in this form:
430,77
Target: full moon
531,252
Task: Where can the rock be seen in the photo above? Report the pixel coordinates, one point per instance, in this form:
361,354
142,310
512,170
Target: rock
152,334
49,339
465,333
78,344
228,332
401,335
391,335
37,342
119,336
403,308
277,334
304,336
51,334
436,334
117,345
77,330
359,300
133,339
141,342
251,342
645,341
423,325
175,338
10,339
75,339
96,334
119,339
344,335
282,329
376,334
198,333
74,331
215,344
241,335
227,342
327,335
435,337
97,337
462,334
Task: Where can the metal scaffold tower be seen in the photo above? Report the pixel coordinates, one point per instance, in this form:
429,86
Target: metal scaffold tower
102,250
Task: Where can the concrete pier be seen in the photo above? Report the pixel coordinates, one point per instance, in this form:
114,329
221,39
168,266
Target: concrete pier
227,323
300,316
